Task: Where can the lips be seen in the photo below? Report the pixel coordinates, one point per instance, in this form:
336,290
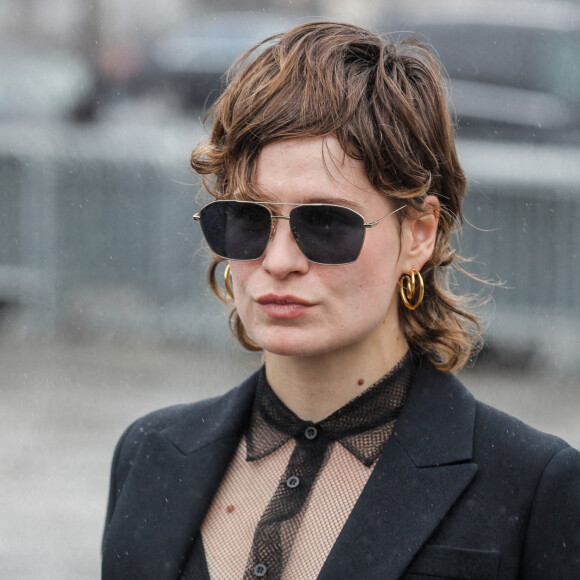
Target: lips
283,307
288,299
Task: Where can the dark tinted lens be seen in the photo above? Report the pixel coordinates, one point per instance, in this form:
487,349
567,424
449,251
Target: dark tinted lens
236,230
328,234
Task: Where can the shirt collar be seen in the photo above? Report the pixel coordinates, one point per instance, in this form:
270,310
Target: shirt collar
362,426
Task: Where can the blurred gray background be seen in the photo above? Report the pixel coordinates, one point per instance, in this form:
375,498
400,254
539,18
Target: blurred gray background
104,310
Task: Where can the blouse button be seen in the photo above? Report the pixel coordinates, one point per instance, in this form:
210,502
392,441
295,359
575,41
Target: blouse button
260,570
310,432
293,481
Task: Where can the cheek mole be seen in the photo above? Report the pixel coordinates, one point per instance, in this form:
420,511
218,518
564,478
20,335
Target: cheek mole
361,382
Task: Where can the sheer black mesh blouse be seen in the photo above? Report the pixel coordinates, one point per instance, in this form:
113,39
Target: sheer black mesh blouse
292,484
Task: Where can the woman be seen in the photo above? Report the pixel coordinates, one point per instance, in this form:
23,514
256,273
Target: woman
354,452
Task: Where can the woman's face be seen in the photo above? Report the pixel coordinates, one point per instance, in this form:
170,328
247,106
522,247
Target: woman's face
294,307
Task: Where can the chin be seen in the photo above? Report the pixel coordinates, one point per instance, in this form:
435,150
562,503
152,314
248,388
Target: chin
290,344
300,346
280,348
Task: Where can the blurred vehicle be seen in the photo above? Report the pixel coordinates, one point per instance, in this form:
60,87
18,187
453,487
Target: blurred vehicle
46,84
190,60
513,66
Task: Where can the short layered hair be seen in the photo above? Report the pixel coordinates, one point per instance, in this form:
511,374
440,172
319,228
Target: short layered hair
386,103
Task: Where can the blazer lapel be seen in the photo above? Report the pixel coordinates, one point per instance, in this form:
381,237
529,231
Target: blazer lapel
424,468
172,482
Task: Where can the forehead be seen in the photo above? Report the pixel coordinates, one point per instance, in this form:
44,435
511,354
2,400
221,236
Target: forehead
300,170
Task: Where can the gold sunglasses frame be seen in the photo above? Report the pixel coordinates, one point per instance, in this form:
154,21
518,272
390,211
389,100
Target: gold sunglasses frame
197,217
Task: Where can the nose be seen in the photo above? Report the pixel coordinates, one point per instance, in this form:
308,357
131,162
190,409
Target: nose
283,256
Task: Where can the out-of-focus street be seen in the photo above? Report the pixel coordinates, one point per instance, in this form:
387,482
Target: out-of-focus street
102,103
64,405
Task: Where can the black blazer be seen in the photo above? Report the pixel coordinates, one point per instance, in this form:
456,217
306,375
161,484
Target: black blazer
460,491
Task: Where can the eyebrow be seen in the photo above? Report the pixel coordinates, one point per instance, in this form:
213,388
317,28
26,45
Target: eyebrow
314,199
334,201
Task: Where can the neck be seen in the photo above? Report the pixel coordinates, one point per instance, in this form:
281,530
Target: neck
315,387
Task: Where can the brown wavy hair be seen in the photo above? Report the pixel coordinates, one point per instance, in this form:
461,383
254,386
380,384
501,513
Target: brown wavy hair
386,104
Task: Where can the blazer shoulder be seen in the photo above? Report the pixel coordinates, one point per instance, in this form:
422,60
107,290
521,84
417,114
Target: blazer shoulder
185,423
186,426
491,424
552,547
506,445
543,472
167,417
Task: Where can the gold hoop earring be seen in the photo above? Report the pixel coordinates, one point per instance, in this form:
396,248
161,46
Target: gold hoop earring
228,281
407,288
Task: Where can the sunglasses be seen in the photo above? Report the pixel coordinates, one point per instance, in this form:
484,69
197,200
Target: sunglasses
326,234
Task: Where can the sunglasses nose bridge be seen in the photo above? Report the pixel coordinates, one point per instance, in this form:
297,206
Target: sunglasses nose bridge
274,223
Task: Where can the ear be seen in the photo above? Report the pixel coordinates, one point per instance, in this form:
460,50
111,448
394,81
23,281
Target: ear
418,236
